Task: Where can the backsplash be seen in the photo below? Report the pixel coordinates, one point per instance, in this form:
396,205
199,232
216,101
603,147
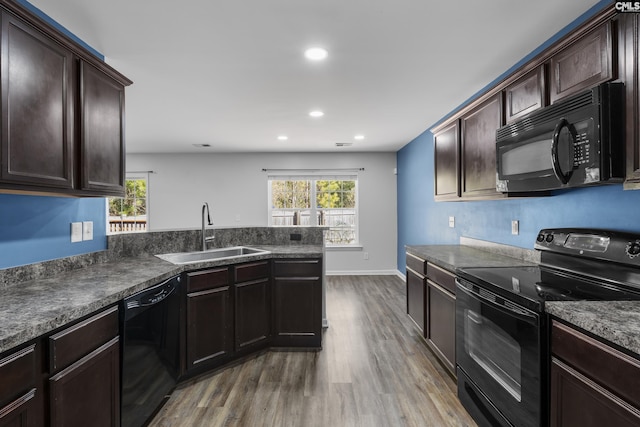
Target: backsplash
146,244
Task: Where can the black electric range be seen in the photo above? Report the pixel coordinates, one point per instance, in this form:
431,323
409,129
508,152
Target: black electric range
502,333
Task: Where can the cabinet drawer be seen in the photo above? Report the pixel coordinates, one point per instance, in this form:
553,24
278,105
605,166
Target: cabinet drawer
297,268
611,368
17,373
207,279
252,271
416,264
442,277
77,341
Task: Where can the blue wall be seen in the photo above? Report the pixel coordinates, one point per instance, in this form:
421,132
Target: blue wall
423,221
38,228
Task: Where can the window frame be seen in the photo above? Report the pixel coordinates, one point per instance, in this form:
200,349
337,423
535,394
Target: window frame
128,177
313,209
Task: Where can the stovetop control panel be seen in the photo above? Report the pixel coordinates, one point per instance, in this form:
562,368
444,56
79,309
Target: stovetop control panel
606,245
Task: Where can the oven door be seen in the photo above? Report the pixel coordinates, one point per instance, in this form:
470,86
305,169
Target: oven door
498,351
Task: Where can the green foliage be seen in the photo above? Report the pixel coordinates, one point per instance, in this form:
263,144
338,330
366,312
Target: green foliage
135,201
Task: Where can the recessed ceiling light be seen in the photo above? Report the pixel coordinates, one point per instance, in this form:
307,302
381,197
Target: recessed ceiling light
283,137
316,113
359,137
316,53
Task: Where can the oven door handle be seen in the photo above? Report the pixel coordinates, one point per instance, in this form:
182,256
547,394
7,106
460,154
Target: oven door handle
520,314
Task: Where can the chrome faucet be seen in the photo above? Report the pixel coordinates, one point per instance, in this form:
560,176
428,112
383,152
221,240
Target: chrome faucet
205,207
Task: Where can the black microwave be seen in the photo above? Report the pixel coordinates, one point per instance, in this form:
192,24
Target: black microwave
575,142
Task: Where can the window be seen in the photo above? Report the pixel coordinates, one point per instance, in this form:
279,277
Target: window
316,201
129,213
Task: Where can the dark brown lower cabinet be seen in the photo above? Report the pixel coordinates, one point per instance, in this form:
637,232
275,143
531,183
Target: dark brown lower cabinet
209,326
416,287
592,384
20,400
253,313
252,305
441,324
84,368
297,303
88,391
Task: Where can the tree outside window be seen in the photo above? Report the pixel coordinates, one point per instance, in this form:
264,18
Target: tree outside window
129,214
317,202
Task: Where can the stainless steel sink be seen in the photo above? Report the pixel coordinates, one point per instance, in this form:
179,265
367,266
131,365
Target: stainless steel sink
211,255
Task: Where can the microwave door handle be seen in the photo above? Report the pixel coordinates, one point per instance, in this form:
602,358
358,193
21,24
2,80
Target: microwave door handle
555,156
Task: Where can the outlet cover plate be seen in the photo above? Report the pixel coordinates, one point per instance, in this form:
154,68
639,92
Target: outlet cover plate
76,232
87,230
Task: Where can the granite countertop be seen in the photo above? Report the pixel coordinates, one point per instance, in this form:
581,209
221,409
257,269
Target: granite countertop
615,321
452,257
36,307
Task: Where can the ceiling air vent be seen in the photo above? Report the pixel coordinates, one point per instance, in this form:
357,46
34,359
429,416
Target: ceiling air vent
344,144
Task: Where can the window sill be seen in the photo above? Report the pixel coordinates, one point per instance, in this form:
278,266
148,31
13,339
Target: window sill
344,248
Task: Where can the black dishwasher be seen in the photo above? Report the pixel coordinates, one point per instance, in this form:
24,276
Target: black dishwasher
150,350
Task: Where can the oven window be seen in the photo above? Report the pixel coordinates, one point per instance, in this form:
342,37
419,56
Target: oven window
532,156
494,351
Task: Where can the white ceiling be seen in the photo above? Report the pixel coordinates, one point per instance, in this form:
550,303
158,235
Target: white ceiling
232,73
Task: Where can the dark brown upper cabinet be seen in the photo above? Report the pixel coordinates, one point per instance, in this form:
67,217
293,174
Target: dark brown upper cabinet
446,163
583,64
61,109
478,149
102,132
629,57
525,95
37,107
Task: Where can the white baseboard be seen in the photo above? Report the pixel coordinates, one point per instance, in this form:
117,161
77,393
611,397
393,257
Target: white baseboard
401,275
364,273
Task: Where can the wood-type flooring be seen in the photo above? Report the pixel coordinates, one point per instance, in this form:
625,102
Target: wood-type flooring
373,370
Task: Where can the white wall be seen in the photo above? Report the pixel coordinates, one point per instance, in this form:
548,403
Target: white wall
235,187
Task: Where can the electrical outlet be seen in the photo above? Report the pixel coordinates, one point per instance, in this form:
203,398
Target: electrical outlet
515,227
452,222
87,230
237,217
366,255
76,232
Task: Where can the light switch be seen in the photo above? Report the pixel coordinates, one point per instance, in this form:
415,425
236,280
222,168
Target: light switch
76,232
87,230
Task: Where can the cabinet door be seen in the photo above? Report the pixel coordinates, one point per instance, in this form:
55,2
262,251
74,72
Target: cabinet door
21,412
415,298
88,392
525,95
37,108
446,163
209,326
253,313
102,132
584,64
441,324
298,311
629,58
478,148
576,401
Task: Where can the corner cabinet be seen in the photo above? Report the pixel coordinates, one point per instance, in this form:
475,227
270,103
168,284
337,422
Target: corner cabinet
592,384
62,112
